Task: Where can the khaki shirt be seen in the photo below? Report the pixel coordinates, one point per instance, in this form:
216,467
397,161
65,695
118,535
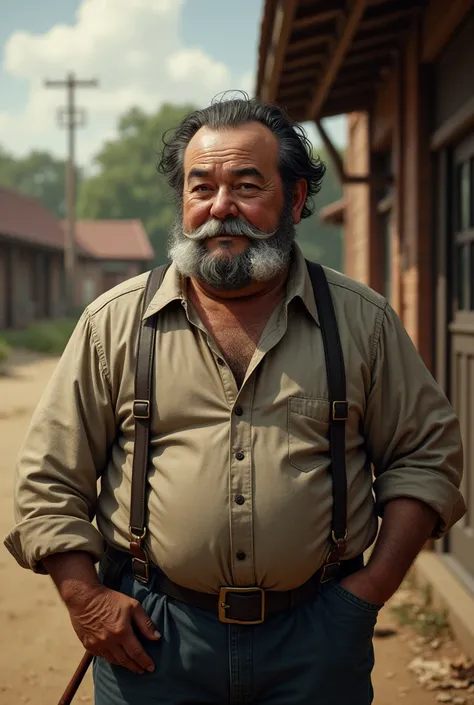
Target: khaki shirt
213,444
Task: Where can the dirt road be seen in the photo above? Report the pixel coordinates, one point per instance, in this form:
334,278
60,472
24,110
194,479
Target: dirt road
39,650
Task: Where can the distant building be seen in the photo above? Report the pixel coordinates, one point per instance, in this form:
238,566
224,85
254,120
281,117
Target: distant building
32,259
108,252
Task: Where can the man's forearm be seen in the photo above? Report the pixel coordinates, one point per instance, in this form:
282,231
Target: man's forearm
73,573
406,526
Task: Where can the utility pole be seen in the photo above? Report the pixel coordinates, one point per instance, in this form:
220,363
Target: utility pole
70,118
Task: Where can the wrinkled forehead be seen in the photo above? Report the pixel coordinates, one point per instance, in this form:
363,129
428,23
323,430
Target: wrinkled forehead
250,144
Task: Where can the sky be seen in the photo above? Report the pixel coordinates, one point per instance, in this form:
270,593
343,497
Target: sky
143,52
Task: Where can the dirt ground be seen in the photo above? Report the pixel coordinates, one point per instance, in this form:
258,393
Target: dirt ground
39,650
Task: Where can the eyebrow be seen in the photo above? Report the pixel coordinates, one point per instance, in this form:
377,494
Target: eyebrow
245,171
248,171
198,174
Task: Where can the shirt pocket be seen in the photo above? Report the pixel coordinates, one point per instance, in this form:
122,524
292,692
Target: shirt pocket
308,432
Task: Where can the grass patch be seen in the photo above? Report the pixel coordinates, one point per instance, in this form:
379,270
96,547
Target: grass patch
417,611
5,352
48,337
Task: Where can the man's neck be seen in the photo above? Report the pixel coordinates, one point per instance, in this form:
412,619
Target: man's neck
255,294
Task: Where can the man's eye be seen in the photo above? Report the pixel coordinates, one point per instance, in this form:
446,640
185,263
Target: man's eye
247,187
202,188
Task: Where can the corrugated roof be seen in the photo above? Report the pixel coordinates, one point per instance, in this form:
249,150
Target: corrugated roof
114,239
25,218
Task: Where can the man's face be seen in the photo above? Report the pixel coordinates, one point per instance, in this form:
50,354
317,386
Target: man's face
236,223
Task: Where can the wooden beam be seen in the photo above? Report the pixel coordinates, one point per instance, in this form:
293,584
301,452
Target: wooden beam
282,27
304,45
377,180
456,126
347,89
266,26
290,79
348,31
359,102
441,20
384,39
369,56
288,92
387,18
304,61
317,18
334,155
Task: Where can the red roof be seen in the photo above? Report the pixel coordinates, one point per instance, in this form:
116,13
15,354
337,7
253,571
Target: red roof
23,217
114,239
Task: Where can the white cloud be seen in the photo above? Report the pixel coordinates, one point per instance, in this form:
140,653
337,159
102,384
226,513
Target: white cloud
132,46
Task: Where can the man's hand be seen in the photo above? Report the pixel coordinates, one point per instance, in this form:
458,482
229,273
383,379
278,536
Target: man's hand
361,584
104,619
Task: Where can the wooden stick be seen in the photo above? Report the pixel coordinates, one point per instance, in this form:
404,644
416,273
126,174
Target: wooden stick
76,680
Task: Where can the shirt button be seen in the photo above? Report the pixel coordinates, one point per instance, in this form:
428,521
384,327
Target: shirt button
240,556
240,455
240,499
238,411
220,361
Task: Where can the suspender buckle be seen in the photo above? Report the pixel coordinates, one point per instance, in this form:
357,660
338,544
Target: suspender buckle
329,572
141,570
141,409
339,410
140,562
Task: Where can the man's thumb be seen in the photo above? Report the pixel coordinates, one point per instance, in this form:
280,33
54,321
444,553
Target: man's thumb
144,623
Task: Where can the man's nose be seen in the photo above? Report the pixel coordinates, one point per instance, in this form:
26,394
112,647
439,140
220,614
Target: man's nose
223,204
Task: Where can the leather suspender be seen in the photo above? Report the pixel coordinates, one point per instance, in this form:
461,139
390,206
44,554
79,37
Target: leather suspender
338,416
338,410
142,415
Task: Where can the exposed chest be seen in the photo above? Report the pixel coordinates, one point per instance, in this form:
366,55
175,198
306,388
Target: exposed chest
236,342
235,333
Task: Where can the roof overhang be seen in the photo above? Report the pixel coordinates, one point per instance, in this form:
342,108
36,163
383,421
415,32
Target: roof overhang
319,58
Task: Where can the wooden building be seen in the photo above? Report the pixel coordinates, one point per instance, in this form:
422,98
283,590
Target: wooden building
403,71
108,253
31,261
32,278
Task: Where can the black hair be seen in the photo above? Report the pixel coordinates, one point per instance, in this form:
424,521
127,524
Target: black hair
296,160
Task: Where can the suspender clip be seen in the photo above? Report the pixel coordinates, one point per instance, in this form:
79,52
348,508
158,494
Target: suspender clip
339,410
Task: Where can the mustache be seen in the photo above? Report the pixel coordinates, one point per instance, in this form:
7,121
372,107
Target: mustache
231,226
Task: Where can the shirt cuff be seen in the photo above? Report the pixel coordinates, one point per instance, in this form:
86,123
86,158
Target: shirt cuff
34,539
426,486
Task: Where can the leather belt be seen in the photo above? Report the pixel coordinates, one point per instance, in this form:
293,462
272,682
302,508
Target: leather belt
235,605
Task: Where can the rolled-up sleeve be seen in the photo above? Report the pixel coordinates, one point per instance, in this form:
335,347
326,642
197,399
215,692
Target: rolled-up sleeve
63,455
412,432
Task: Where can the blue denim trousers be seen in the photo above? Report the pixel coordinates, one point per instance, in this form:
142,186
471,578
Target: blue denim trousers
317,653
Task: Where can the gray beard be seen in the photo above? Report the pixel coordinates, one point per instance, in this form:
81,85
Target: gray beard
267,256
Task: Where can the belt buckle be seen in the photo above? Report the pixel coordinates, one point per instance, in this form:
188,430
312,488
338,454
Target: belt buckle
223,606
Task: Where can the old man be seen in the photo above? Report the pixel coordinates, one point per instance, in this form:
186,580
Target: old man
280,421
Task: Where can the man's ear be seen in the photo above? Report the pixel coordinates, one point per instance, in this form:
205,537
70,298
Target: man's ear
300,191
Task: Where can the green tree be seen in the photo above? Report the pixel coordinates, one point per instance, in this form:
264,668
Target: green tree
127,184
38,174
